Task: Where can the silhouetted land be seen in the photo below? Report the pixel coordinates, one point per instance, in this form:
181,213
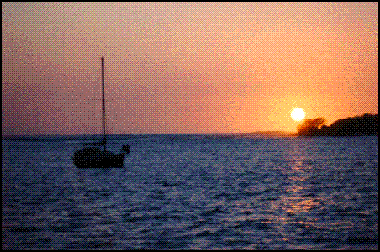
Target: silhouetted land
365,125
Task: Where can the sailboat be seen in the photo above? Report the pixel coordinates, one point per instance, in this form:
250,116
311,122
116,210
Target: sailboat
95,156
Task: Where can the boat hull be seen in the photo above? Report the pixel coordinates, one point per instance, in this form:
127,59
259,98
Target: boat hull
97,158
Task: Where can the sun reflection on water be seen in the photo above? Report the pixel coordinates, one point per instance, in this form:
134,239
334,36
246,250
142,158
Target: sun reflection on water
298,201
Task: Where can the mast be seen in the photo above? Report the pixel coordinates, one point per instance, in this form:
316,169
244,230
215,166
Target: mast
104,109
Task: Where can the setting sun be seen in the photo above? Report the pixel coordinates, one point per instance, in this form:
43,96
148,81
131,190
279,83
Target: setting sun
297,114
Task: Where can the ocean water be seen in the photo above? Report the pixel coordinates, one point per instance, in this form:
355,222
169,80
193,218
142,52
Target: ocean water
193,192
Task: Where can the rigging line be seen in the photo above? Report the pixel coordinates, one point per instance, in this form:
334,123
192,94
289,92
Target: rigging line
104,108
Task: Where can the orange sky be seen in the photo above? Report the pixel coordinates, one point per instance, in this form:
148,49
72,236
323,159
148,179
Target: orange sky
185,67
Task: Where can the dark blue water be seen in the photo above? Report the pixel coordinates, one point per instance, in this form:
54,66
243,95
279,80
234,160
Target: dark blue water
188,192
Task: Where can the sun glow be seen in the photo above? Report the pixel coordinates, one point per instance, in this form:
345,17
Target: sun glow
297,114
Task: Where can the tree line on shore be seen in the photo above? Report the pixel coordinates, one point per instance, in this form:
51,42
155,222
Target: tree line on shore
352,126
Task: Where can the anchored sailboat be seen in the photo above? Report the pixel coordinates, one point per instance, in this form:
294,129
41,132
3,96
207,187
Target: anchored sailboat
95,157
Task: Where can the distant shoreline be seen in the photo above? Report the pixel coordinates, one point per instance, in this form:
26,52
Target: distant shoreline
365,125
121,136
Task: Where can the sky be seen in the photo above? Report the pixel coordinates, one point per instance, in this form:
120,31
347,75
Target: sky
185,68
